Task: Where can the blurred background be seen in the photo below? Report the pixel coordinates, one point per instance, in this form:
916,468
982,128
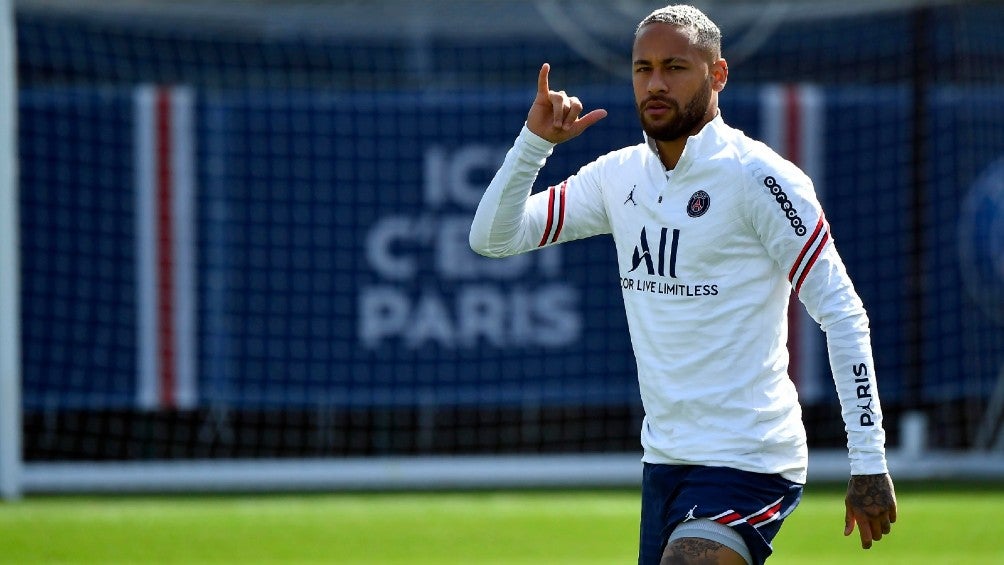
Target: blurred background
243,236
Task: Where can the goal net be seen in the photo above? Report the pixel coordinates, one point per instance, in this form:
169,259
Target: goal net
243,236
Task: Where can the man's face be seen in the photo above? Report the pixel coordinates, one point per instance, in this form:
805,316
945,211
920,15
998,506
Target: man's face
672,83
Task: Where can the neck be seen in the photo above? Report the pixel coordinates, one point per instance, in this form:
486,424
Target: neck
671,151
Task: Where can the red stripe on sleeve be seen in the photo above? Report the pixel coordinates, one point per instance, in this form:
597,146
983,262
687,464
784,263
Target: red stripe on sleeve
805,249
550,218
561,212
812,261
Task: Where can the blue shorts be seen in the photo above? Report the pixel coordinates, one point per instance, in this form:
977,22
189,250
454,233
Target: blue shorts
752,504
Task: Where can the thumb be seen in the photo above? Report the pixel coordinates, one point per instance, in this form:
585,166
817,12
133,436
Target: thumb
588,120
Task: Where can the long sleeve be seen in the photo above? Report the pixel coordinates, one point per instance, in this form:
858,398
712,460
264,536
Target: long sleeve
794,230
509,220
501,226
831,299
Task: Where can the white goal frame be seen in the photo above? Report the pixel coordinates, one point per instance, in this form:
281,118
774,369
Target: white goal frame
10,338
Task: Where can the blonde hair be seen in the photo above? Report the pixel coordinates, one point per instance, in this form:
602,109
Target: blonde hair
704,34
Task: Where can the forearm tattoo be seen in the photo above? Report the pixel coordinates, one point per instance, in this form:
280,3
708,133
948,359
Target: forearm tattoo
871,493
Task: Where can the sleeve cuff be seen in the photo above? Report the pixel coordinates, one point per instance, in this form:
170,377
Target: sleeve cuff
535,142
868,463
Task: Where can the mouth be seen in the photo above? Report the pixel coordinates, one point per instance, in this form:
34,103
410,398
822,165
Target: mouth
657,107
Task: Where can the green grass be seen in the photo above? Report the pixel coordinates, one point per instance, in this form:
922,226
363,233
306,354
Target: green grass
938,524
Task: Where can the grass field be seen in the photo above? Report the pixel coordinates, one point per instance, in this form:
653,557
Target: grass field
939,523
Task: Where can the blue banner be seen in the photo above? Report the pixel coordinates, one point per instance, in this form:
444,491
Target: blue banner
331,257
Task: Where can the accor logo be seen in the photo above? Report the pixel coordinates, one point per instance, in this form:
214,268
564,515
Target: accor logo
789,211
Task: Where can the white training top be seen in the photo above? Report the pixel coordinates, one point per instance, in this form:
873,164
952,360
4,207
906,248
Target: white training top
708,254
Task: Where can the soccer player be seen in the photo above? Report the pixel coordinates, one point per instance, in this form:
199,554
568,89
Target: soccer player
713,232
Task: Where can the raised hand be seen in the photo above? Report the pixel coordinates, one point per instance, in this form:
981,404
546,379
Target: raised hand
555,115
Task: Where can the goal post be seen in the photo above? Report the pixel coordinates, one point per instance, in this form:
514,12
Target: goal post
10,341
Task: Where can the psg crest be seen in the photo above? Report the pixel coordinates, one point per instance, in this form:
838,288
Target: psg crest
698,204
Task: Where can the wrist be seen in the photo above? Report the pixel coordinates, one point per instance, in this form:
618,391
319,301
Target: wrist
535,141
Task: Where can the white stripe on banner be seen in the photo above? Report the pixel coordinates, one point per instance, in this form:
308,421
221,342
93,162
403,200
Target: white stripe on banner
165,240
794,126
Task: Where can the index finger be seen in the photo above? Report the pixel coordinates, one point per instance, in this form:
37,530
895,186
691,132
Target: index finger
542,86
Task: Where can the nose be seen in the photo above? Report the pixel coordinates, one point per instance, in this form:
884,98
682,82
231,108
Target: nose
657,83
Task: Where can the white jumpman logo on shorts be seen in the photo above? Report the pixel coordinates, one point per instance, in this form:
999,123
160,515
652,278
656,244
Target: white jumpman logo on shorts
690,515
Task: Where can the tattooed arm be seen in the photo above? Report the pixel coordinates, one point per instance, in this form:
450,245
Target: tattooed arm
871,504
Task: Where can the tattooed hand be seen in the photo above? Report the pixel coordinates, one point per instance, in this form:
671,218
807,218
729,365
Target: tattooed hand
871,504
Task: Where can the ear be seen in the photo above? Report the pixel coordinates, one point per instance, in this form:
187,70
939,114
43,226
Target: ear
719,74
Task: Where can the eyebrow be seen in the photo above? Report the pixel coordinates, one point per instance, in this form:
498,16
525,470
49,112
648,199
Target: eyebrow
676,59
